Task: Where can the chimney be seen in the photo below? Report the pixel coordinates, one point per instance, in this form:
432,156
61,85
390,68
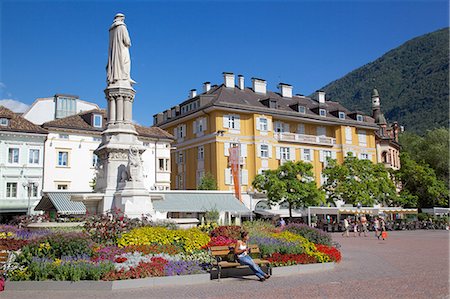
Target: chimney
228,79
206,86
321,96
241,82
259,85
286,90
193,93
159,118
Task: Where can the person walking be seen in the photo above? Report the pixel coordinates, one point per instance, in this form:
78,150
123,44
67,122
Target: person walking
346,227
355,226
376,227
241,250
363,226
382,228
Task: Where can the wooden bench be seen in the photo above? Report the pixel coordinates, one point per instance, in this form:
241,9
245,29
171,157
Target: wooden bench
225,258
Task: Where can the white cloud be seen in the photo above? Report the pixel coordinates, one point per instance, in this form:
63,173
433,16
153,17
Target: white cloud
14,105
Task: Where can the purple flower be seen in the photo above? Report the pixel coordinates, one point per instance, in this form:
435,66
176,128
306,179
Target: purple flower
182,268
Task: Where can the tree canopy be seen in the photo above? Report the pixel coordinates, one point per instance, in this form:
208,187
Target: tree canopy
359,181
432,149
207,182
292,182
420,180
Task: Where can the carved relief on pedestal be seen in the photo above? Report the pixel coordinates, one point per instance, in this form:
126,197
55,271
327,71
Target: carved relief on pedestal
118,155
134,165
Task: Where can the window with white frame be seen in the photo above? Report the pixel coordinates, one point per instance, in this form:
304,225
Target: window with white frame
4,121
201,153
264,151
302,109
327,154
362,138
322,112
233,122
11,190
364,156
97,121
181,131
307,154
281,127
285,153
263,124
63,136
359,117
13,155
348,135
63,158
34,190
301,129
33,156
179,181
342,115
161,164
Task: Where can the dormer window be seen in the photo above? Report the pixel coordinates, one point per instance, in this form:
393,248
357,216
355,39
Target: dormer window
322,112
273,104
4,121
359,117
341,115
302,109
97,120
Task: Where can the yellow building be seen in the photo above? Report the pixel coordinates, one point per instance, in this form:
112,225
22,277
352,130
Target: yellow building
270,128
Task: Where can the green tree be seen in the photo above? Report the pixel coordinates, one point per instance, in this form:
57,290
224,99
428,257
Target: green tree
359,181
291,182
432,149
207,182
420,180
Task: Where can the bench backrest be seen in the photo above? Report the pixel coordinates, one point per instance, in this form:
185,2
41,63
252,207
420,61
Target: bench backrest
227,252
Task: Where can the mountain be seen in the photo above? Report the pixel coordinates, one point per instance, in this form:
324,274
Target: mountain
413,82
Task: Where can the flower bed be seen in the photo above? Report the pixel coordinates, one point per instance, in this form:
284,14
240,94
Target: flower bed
140,250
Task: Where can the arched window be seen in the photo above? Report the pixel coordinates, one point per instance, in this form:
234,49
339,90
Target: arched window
262,205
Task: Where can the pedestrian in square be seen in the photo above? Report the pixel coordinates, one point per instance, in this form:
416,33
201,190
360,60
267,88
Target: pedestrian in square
346,227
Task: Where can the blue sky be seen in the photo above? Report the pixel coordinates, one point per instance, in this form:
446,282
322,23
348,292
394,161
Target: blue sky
50,47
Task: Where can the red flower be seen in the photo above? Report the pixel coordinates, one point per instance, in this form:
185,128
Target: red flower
120,259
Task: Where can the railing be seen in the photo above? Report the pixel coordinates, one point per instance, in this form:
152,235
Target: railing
302,138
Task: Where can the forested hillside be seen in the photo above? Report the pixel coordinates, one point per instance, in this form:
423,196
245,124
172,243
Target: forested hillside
412,81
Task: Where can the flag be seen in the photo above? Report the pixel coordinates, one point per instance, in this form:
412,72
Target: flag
235,167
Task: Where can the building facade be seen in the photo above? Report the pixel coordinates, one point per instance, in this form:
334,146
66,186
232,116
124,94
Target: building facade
21,164
386,138
268,127
59,106
70,161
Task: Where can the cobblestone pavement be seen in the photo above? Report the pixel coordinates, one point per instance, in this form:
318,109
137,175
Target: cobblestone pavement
409,264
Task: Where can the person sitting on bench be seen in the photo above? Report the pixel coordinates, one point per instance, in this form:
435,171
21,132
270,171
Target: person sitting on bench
241,251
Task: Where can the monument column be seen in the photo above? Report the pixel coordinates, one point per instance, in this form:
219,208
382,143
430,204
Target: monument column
120,176
119,102
111,111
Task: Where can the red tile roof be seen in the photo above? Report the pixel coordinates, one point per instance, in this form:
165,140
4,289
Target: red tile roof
16,123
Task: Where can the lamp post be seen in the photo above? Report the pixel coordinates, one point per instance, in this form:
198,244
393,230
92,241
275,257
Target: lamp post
251,193
29,186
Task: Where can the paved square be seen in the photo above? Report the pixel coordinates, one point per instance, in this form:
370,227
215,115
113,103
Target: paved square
409,264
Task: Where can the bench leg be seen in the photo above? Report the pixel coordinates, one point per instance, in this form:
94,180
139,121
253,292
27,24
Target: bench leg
218,272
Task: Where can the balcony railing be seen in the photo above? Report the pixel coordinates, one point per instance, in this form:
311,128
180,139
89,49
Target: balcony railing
302,138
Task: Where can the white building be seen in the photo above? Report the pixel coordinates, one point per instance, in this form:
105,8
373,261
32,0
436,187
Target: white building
58,106
70,162
21,164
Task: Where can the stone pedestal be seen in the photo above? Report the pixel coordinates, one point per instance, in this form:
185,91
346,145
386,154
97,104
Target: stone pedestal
113,176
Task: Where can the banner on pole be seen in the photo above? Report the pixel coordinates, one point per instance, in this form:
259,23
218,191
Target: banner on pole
235,167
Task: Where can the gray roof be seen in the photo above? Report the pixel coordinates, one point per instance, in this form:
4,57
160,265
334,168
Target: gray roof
247,99
199,202
60,201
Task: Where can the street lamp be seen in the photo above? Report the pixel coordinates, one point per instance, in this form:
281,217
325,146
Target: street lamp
251,193
29,186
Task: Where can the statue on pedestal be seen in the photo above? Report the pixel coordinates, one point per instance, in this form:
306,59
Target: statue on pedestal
119,62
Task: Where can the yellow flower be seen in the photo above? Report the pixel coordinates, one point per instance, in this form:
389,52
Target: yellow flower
57,262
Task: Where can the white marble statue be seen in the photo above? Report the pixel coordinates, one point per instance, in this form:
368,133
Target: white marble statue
119,63
134,165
